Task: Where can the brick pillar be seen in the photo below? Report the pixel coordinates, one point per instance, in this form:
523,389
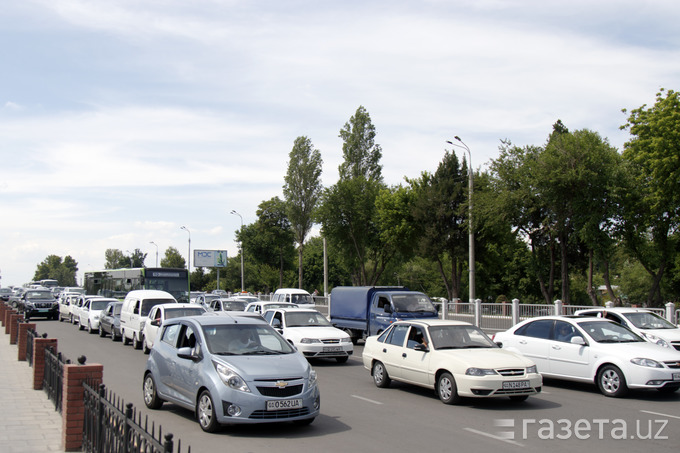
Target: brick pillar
3,308
73,407
14,327
22,339
39,346
5,320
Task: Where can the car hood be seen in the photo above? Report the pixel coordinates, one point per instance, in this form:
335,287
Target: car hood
320,333
666,334
284,366
633,350
487,358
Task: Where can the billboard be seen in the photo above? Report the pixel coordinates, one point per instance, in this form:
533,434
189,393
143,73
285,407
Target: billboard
210,258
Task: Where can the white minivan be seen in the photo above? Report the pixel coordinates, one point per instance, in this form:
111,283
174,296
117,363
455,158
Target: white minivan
296,296
135,312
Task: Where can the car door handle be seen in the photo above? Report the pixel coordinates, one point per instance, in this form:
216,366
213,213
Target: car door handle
556,346
522,342
403,355
385,350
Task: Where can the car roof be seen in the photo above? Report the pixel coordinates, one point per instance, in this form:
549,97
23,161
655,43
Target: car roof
294,310
219,320
616,310
182,305
434,322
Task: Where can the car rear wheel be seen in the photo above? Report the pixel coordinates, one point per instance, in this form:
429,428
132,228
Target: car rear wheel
126,340
136,344
145,346
205,412
446,389
611,381
101,331
151,398
380,376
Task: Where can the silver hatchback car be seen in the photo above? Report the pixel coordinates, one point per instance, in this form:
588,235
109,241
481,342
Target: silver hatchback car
230,370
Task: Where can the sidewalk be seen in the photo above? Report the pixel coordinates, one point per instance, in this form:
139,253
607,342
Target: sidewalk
28,421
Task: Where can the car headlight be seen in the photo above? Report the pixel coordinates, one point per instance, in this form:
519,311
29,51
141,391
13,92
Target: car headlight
532,369
309,340
345,340
646,362
312,377
231,377
658,340
480,372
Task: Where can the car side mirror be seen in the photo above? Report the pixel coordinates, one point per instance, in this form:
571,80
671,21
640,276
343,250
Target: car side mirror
156,322
187,353
388,309
578,340
421,347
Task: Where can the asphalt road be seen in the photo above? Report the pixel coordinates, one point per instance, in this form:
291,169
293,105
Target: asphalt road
356,416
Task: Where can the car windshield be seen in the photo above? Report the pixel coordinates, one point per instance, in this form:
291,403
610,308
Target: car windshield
647,320
245,339
177,312
148,304
99,304
412,303
306,319
211,297
609,332
39,295
275,305
233,305
301,299
459,337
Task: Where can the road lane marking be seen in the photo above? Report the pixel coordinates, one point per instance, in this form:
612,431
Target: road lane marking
663,415
367,400
492,436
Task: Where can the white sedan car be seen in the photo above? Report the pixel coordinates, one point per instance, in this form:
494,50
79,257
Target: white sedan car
311,333
91,312
645,323
594,350
160,313
454,358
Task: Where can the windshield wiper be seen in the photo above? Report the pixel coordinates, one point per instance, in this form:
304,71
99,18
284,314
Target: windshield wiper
260,352
225,353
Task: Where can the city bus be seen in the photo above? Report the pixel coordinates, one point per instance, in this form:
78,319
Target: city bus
118,282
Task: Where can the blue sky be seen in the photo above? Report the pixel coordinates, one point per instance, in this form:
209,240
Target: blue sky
123,120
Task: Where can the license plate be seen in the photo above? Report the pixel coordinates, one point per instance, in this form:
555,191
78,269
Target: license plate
280,405
676,376
516,385
332,349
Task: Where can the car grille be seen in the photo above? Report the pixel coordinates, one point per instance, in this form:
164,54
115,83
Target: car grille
331,341
511,372
528,391
676,345
277,392
42,304
674,364
279,415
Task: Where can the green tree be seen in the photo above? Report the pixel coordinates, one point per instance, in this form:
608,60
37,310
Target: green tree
440,211
54,267
173,259
115,259
651,217
302,190
348,211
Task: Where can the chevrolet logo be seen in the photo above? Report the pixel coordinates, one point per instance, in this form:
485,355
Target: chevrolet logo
281,384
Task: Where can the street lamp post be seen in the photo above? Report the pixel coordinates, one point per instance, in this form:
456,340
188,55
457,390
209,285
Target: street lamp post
471,236
241,246
152,242
188,265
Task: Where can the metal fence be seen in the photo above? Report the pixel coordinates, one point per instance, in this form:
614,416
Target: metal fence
110,428
31,335
53,380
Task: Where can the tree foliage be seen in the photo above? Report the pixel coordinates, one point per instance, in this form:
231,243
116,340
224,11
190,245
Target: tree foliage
172,258
302,190
54,267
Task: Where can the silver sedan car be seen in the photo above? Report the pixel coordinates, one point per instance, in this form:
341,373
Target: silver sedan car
230,370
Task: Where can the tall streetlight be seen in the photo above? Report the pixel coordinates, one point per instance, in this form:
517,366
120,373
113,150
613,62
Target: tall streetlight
152,242
243,286
188,265
471,236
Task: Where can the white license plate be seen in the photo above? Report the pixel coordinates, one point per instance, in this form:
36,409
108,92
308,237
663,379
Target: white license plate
332,349
279,405
676,376
516,385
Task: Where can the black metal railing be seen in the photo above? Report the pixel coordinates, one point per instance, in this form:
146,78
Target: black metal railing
110,427
53,380
31,335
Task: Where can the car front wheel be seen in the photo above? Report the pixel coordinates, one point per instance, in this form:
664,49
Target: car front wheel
151,398
380,376
611,381
446,389
205,412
